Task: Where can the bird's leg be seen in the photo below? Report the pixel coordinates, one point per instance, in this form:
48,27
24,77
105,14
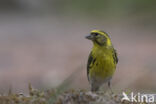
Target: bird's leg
109,85
94,88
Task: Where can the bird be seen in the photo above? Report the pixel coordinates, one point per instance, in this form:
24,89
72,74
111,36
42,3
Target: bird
102,60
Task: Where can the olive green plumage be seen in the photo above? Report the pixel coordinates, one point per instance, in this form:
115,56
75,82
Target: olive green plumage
102,60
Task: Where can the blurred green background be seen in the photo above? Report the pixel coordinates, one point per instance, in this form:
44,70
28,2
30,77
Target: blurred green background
42,42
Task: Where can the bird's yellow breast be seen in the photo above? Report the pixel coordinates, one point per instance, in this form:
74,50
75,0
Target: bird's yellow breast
104,65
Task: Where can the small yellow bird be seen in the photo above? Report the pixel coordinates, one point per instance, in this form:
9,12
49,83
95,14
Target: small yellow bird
102,60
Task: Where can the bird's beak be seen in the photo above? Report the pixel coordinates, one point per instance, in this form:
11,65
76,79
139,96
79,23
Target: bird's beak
90,37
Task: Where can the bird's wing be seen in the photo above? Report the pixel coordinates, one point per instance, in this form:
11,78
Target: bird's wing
115,56
91,60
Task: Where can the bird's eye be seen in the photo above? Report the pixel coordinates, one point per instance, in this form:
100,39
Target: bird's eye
95,34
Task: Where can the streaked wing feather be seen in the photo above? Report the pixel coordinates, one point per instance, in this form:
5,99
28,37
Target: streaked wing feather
115,57
90,60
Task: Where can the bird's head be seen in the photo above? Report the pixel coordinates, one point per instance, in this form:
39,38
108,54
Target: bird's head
99,38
